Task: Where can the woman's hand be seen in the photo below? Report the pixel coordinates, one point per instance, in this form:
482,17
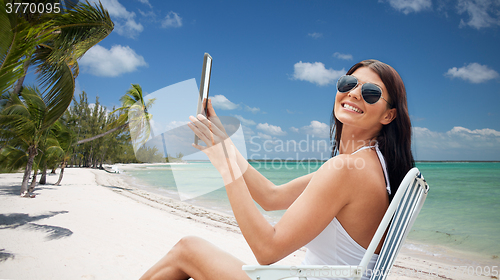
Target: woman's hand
219,147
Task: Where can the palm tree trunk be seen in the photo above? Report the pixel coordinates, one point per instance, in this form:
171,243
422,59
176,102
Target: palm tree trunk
33,182
102,134
91,156
32,152
102,157
43,179
63,165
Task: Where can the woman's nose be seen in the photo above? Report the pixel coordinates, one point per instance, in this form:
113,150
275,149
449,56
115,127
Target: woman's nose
355,93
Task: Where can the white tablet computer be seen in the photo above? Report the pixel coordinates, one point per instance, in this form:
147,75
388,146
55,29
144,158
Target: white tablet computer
204,86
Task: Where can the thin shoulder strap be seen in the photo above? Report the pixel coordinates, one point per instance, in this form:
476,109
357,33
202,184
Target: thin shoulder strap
384,166
382,162
363,148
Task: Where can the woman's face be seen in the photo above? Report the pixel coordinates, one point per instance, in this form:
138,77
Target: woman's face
352,110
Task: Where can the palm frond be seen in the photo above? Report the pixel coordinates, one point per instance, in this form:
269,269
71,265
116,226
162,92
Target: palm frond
17,42
74,33
12,158
78,30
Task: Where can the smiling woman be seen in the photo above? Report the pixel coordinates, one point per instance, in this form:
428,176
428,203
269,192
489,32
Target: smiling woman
334,211
394,137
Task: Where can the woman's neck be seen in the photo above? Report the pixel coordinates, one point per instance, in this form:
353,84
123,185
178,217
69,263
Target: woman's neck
351,141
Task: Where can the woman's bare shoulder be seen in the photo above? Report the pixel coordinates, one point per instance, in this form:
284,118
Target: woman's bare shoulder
361,171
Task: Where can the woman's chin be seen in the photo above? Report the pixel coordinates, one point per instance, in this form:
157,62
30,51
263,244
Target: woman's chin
347,118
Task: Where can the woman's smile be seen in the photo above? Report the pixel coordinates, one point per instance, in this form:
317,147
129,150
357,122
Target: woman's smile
351,107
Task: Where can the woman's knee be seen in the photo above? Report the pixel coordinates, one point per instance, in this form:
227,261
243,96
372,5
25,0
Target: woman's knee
188,245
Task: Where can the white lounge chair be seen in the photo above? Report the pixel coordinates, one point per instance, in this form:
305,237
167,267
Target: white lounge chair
403,211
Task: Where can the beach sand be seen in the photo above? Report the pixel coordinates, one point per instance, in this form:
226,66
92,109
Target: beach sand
96,226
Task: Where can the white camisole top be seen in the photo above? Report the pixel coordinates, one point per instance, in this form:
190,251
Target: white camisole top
334,246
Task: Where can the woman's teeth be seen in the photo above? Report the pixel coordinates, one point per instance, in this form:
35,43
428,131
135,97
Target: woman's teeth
347,106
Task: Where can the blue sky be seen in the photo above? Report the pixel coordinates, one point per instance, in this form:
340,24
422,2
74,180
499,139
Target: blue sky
276,64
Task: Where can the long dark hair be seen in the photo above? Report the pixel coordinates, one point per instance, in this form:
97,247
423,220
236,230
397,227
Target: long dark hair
394,139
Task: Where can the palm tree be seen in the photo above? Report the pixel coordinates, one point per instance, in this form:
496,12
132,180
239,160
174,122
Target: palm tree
66,138
47,148
25,122
51,42
50,151
134,110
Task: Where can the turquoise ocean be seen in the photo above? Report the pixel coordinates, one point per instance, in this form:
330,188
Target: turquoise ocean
461,213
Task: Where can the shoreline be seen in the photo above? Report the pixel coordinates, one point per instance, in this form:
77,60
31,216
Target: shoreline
96,223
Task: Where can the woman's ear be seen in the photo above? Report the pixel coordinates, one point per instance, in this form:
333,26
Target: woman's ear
388,116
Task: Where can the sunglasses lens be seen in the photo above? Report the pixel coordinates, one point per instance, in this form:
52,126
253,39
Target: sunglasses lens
371,93
346,83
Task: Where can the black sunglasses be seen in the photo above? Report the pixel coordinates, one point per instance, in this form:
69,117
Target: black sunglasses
371,92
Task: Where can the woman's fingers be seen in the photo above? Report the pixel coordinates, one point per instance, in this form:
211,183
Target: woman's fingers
206,131
212,116
203,137
210,125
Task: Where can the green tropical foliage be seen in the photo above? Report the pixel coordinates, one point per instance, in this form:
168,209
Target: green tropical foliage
88,120
37,131
25,123
134,110
51,43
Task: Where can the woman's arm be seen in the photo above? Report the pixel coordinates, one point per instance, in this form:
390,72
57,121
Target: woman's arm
269,196
306,217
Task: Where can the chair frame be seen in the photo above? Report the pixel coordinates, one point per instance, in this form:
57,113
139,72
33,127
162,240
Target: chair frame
400,215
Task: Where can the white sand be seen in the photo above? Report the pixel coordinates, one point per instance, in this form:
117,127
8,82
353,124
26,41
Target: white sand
95,226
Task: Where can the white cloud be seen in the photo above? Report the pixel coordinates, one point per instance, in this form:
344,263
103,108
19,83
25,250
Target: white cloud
294,129
252,109
174,124
124,20
221,102
315,35
459,143
482,13
92,107
264,136
146,2
465,132
244,121
271,129
150,15
316,128
316,73
474,73
100,61
172,20
343,56
408,6
248,132
457,138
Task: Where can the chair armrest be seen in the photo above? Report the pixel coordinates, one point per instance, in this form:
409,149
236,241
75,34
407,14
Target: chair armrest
277,272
